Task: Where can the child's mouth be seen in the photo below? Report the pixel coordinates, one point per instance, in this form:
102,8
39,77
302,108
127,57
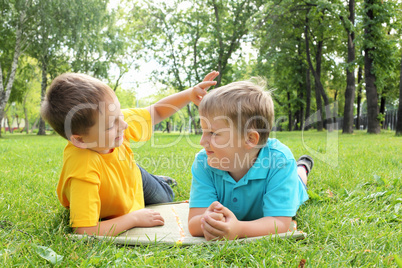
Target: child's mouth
209,152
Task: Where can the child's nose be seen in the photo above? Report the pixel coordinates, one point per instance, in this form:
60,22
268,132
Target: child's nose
203,141
123,125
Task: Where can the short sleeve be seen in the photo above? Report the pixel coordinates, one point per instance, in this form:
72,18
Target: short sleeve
203,192
139,124
84,203
283,195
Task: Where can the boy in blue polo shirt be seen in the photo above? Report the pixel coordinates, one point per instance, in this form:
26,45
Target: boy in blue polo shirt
244,184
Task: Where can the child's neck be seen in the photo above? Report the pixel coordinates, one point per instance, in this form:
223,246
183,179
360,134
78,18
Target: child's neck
238,174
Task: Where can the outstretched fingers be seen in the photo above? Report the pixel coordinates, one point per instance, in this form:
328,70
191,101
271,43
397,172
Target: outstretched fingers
211,76
205,85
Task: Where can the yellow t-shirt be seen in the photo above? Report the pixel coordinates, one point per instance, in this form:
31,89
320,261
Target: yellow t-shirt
102,186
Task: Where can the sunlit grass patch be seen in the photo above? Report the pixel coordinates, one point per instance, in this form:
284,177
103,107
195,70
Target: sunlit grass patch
353,217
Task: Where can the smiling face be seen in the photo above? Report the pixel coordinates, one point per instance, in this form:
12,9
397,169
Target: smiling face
226,149
108,131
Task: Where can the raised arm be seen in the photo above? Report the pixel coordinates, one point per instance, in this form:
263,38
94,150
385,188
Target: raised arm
173,103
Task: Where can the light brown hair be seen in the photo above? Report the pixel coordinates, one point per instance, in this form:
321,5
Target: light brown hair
72,101
245,103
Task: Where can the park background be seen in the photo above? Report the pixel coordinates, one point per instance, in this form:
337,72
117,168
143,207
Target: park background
334,68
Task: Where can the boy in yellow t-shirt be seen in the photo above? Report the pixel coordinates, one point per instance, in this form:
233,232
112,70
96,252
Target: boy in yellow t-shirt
100,179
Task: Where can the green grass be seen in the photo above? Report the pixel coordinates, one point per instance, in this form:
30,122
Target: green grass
353,217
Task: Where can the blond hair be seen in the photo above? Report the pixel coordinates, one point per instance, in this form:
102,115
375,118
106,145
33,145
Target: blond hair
245,103
77,96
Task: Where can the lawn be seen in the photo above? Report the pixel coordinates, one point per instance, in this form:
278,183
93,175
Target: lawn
353,217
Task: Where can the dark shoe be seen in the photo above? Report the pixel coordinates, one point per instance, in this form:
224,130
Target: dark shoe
307,162
168,180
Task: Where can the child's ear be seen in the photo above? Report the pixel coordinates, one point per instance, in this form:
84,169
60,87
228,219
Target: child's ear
77,141
253,137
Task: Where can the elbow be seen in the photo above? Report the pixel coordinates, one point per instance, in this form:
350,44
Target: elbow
194,231
282,224
79,230
282,229
86,230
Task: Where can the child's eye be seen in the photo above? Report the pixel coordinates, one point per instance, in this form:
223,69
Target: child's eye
212,133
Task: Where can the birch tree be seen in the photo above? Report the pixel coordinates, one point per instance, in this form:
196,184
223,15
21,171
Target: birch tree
12,40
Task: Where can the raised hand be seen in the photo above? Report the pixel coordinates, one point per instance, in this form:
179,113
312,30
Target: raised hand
200,90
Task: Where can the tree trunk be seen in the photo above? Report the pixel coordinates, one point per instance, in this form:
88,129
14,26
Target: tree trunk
289,113
316,74
17,118
167,127
221,47
383,101
371,94
193,122
5,92
317,77
399,120
35,124
42,130
369,76
308,93
10,129
300,111
359,95
26,128
26,114
350,76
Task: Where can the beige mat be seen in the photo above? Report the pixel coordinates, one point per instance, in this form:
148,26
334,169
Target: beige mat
175,231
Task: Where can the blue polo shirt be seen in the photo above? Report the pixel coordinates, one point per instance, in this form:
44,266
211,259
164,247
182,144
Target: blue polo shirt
271,187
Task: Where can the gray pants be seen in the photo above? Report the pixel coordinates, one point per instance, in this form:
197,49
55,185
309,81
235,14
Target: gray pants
156,190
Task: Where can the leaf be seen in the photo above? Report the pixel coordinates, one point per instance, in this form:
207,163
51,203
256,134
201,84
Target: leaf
313,195
49,255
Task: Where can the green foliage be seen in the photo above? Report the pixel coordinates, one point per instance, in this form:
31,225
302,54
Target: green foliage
188,39
381,38
126,98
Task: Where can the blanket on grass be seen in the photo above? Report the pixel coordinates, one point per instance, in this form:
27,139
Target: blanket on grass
175,230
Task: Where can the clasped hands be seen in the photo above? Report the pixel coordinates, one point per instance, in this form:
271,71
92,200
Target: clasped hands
219,222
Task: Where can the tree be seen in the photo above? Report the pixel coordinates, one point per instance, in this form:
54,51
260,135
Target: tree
57,24
192,45
15,15
279,37
231,24
178,48
399,122
377,55
317,13
350,71
25,92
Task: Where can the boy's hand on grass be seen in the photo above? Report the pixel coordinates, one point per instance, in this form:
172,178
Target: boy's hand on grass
200,90
147,218
214,229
